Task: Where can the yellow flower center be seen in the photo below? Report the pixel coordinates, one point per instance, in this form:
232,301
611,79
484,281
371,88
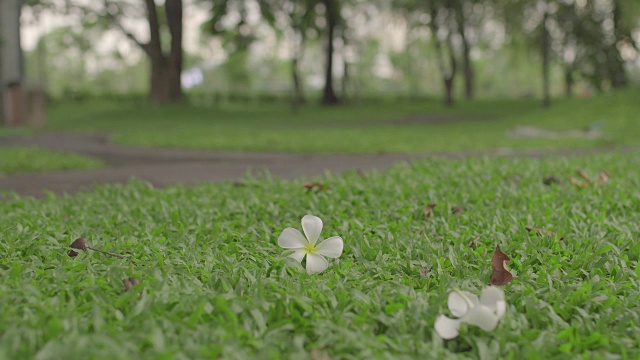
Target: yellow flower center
310,248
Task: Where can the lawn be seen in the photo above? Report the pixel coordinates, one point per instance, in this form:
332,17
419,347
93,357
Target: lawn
15,160
214,283
381,126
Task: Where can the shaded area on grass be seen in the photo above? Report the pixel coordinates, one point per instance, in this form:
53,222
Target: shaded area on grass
14,160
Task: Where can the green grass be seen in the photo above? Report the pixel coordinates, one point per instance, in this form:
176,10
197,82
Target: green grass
15,160
215,285
360,127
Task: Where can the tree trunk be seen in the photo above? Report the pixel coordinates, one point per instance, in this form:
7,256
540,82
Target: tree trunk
344,83
159,89
447,74
568,81
297,98
166,69
617,72
467,71
329,96
173,10
450,77
467,66
546,97
448,88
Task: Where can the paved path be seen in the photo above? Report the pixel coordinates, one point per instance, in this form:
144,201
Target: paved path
164,167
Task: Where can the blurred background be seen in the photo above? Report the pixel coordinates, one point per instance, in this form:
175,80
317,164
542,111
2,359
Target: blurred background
105,65
237,49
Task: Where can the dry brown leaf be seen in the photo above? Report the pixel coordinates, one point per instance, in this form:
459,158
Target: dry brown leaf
456,210
310,185
424,272
317,355
80,244
578,183
500,275
602,178
540,231
550,180
472,243
83,244
513,179
428,209
583,174
130,283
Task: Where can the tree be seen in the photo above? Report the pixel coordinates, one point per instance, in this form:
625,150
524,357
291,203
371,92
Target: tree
299,18
332,12
585,38
166,66
467,67
1,85
165,55
442,29
546,53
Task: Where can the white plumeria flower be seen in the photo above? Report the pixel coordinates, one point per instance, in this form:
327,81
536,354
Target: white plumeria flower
483,313
292,239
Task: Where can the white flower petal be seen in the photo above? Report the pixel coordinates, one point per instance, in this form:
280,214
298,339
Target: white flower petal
291,238
316,264
482,317
331,247
458,304
501,309
312,226
447,328
490,297
298,255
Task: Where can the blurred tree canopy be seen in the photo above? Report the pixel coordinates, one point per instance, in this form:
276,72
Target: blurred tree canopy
394,46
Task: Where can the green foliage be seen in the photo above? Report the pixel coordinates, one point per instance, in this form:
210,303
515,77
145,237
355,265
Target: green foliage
391,126
214,283
22,159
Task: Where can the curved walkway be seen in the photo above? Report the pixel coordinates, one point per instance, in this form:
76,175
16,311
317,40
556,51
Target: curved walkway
163,167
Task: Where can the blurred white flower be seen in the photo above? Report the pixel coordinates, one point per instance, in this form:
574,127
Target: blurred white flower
292,239
191,77
483,313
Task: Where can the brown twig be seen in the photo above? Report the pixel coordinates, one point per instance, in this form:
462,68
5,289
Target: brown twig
106,252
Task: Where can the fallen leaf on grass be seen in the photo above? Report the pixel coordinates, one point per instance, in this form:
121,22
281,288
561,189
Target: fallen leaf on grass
310,185
130,283
583,174
550,180
513,179
428,209
456,210
317,355
83,244
472,243
424,272
602,178
541,231
80,244
578,183
500,275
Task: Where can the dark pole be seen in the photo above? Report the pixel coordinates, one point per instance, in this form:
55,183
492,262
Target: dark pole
11,71
1,71
546,98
